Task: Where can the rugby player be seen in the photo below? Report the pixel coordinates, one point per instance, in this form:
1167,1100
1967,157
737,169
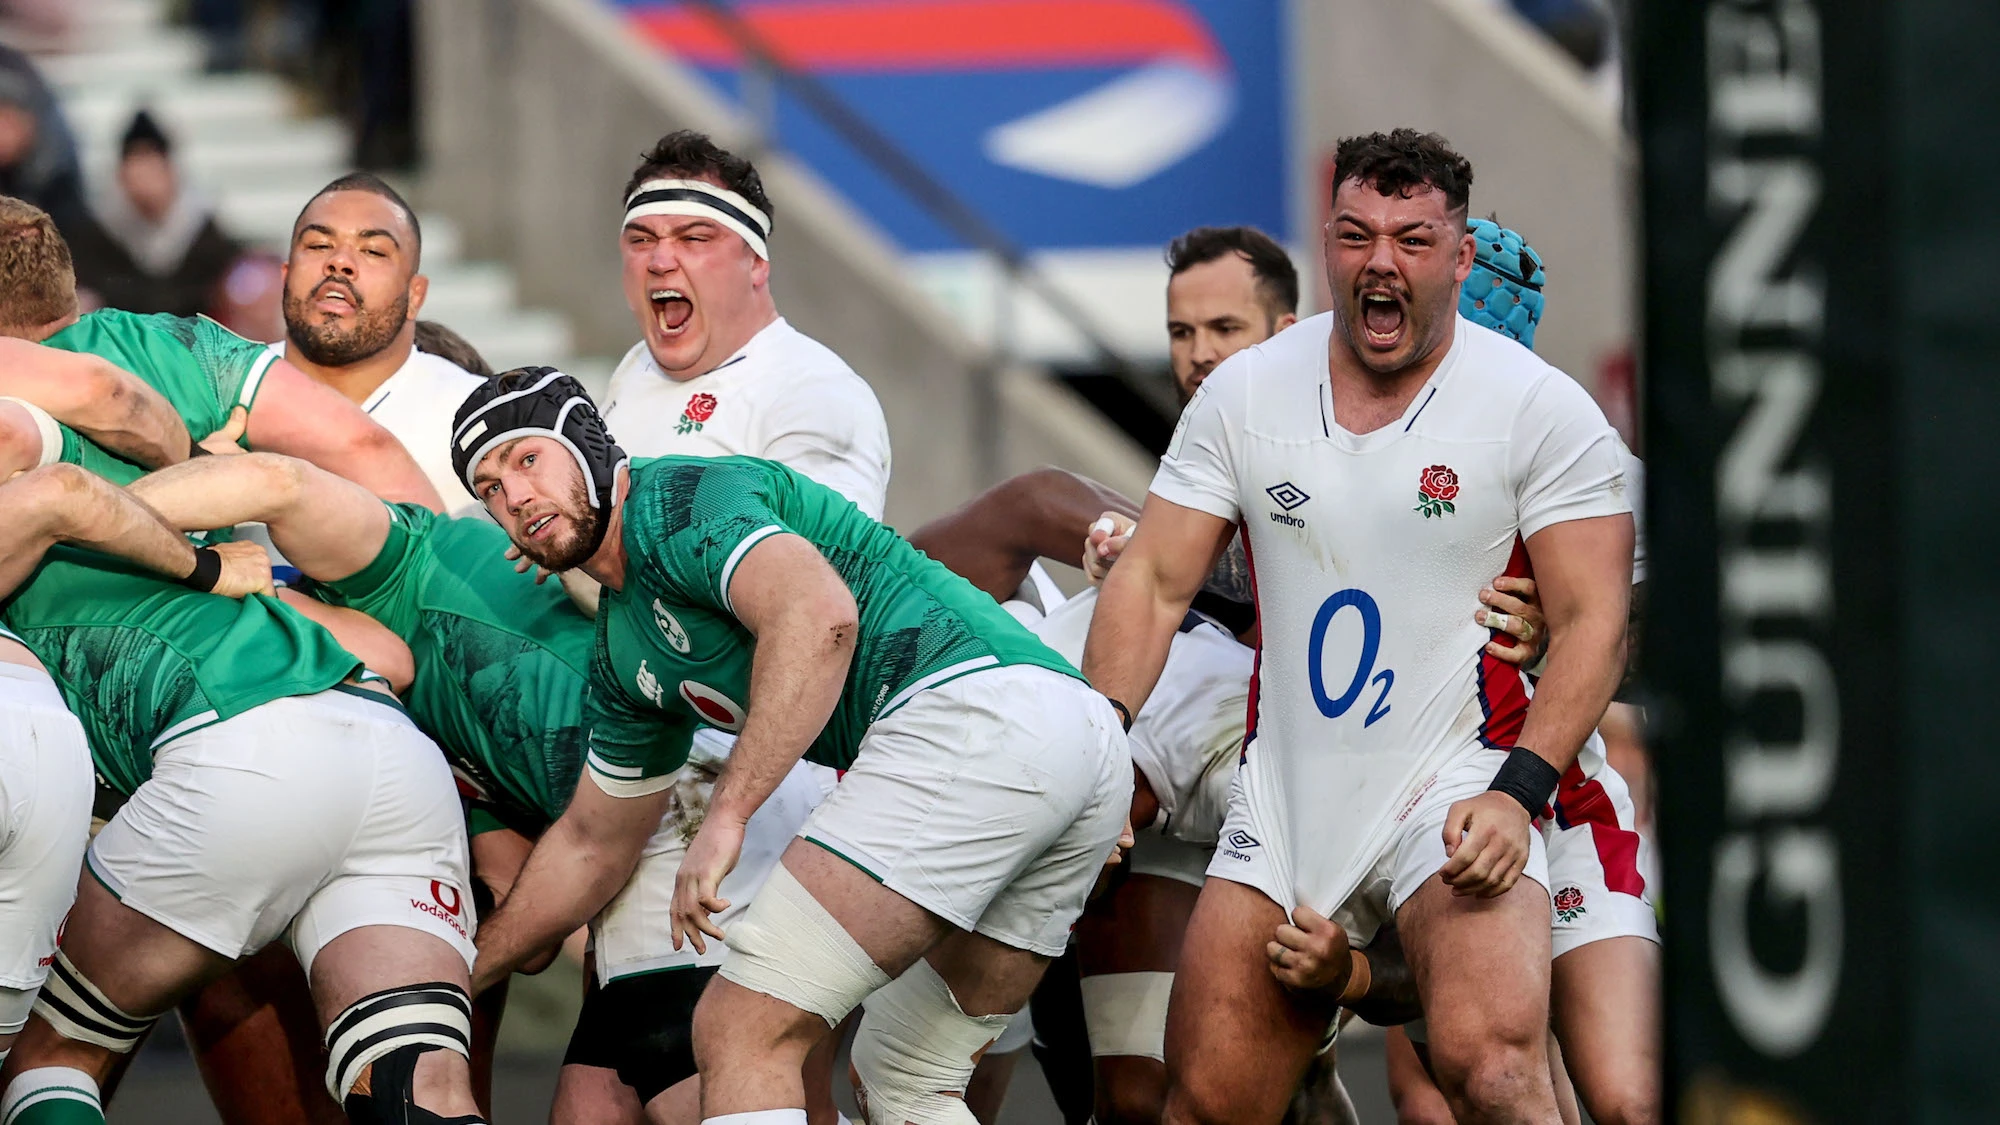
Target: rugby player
188,360
46,785
353,292
272,790
501,668
868,667
1417,801
717,371
1606,973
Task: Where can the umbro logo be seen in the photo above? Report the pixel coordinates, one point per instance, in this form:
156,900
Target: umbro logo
1241,839
1287,495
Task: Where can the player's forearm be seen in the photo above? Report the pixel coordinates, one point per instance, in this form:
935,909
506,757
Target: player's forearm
77,506
118,411
797,674
569,876
208,492
1586,663
1130,633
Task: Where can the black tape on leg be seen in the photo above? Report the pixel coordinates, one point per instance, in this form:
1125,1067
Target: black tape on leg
391,1096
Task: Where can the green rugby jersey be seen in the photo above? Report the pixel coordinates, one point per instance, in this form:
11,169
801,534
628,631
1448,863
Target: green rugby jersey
202,368
502,663
141,660
671,655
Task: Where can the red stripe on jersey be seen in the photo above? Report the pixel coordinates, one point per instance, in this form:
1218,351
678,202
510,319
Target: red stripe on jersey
1581,800
1257,659
1503,688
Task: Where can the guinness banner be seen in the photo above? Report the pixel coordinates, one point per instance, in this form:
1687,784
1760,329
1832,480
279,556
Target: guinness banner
1775,605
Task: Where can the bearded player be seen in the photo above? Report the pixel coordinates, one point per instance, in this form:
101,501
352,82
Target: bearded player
889,666
1428,761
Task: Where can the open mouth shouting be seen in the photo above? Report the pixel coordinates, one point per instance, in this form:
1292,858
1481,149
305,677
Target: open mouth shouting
1384,318
672,309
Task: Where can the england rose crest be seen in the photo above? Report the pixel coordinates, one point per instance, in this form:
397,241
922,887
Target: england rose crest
1436,489
1569,904
698,410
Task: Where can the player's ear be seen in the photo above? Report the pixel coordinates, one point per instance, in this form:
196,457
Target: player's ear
760,271
1468,249
420,287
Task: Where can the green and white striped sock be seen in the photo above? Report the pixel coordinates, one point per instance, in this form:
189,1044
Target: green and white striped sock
52,1095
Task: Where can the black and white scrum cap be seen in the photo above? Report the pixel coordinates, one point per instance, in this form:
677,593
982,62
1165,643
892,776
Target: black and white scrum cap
531,402
706,200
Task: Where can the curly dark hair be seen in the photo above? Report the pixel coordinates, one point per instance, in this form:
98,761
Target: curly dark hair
686,155
1277,278
1402,161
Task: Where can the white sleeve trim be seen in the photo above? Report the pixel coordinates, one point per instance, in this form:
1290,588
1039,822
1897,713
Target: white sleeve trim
254,381
736,556
616,781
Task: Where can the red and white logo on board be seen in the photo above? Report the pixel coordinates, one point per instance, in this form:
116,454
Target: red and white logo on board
715,708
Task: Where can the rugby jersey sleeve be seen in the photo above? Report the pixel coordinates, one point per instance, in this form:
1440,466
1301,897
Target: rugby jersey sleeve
1565,459
832,431
1199,468
694,522
631,751
234,365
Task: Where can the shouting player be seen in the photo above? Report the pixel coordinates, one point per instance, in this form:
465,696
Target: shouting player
963,837
1383,462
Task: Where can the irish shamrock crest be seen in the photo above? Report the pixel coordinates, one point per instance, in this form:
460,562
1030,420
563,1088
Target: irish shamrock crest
698,410
1569,904
1436,489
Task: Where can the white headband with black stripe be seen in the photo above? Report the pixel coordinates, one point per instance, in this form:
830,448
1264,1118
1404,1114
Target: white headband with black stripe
703,199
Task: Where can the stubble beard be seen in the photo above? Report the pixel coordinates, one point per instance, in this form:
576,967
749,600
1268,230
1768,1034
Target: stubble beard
328,345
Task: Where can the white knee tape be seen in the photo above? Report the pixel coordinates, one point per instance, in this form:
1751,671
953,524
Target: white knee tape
787,946
916,1049
1126,1014
78,1010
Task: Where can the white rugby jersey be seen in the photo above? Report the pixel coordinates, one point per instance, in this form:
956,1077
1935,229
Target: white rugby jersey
784,397
1189,736
1367,553
417,405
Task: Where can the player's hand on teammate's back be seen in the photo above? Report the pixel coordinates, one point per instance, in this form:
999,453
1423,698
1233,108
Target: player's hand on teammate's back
223,442
697,886
246,570
1106,541
1510,606
1310,953
1486,840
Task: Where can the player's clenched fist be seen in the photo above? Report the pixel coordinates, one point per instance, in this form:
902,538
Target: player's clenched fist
1311,953
1486,840
697,886
246,570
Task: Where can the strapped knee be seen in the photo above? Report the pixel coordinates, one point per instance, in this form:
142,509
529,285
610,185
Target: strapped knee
787,946
916,1049
1126,1013
78,1011
390,1030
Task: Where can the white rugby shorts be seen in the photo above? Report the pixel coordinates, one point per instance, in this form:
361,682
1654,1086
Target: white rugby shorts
1252,855
1157,854
991,800
321,813
46,787
1602,871
633,934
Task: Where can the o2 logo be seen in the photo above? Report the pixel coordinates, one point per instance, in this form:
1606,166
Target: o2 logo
1371,643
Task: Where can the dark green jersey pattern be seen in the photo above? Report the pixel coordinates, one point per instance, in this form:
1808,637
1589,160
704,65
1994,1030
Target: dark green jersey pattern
202,368
502,663
141,660
671,655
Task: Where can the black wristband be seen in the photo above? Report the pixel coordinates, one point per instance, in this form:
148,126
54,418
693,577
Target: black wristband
1527,778
1124,713
207,570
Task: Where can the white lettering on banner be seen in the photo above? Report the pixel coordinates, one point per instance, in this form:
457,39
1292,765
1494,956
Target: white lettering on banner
1764,89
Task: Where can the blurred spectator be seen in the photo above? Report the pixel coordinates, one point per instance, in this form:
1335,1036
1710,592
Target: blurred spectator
250,301
163,251
37,154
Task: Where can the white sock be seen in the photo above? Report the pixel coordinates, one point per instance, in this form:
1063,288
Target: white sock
760,1117
53,1092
